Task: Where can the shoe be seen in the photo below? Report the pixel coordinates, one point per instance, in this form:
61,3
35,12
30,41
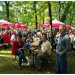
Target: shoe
25,61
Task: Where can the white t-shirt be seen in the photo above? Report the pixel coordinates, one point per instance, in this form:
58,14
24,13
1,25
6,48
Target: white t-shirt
71,37
46,46
12,37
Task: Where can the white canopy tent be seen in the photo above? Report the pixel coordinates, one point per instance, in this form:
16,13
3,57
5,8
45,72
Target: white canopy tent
3,20
56,21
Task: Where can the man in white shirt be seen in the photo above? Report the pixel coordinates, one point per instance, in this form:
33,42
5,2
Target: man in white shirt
44,52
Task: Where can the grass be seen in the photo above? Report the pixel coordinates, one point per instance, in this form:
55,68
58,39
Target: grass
9,66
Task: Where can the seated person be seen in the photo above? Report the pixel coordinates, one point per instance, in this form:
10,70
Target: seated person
17,49
13,37
6,38
1,41
28,42
73,42
44,52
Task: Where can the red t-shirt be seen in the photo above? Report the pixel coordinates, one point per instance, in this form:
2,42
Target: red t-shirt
15,46
6,38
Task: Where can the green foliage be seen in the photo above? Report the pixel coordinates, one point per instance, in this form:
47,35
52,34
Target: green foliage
23,11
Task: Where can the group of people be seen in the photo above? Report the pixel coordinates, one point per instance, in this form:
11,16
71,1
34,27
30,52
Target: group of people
19,45
62,40
72,37
4,39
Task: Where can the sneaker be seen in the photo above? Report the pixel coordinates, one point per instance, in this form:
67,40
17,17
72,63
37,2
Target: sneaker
25,61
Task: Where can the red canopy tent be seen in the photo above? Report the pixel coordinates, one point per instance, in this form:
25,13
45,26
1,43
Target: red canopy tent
68,27
46,25
23,26
19,25
55,24
72,28
13,26
5,24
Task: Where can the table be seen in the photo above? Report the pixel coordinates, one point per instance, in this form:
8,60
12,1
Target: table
33,48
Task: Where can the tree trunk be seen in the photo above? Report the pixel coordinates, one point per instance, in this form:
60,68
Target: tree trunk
63,18
50,15
35,15
43,19
40,19
71,19
59,8
43,16
27,23
7,10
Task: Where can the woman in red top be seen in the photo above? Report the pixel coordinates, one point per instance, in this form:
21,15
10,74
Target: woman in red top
17,49
6,38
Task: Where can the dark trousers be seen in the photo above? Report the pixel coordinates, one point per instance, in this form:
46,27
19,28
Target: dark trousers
21,55
5,47
61,64
39,58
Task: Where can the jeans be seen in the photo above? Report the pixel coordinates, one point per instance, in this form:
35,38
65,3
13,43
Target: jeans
28,48
61,64
21,55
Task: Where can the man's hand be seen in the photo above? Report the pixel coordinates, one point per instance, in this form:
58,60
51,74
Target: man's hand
61,53
20,48
45,52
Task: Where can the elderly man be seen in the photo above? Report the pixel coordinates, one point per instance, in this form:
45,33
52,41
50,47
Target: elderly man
44,52
63,45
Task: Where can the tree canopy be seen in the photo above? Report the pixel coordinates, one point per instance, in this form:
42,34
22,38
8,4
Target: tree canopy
34,13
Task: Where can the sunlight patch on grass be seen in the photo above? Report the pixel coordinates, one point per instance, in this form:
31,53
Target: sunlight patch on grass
0,65
5,51
2,55
7,56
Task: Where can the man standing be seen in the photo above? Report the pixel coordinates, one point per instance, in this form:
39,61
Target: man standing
63,45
